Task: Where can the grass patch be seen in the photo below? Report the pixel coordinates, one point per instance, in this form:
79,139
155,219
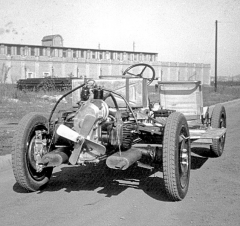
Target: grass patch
14,104
210,97
224,93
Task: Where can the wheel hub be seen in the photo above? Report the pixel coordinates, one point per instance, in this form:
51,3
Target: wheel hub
184,162
36,150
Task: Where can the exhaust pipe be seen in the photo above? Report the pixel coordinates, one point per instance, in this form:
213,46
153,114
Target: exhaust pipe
124,160
57,157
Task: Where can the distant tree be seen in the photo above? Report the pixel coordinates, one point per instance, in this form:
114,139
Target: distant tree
4,73
14,79
70,75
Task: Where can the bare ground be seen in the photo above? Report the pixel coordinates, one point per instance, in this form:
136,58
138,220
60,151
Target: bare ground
11,113
77,196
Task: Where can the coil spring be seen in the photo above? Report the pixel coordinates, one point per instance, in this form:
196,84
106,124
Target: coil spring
127,136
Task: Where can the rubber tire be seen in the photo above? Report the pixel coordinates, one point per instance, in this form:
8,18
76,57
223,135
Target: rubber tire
176,123
24,174
218,120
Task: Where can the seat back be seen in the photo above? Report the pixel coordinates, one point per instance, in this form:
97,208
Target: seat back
182,96
134,90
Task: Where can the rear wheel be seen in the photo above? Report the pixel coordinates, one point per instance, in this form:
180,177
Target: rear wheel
23,155
218,120
176,156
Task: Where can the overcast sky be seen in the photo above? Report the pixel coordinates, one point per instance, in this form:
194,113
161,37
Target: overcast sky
178,30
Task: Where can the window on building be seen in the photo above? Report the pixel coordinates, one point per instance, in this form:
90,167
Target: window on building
51,50
135,57
100,55
64,53
93,55
25,52
119,56
88,54
48,50
9,50
13,50
18,50
2,49
74,53
56,52
41,52
150,57
36,51
111,55
78,53
69,53
145,57
60,52
83,53
124,56
153,58
32,51
107,55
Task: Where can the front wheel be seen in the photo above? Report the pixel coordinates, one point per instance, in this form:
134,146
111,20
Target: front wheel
24,156
176,156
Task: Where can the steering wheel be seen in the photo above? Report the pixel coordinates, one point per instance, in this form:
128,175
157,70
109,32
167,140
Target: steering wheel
126,72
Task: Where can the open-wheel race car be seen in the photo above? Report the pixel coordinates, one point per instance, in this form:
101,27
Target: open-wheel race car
114,121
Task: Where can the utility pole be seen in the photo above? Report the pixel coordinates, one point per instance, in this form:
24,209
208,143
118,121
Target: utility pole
133,46
216,42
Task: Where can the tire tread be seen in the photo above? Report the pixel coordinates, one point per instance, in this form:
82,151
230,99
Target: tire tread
18,166
169,173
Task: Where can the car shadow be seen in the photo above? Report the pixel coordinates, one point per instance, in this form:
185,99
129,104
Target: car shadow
199,155
106,181
203,152
111,182
197,162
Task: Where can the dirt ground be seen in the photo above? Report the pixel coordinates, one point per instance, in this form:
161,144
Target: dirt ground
13,110
6,134
78,197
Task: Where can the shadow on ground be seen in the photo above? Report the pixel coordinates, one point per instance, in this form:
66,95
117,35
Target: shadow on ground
203,152
110,182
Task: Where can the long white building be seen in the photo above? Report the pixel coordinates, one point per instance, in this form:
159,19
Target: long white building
19,61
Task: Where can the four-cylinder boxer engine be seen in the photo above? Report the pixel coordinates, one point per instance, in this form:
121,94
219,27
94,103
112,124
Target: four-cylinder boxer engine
94,129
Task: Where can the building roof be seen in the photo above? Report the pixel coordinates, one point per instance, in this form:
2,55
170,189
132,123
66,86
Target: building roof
51,37
74,48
